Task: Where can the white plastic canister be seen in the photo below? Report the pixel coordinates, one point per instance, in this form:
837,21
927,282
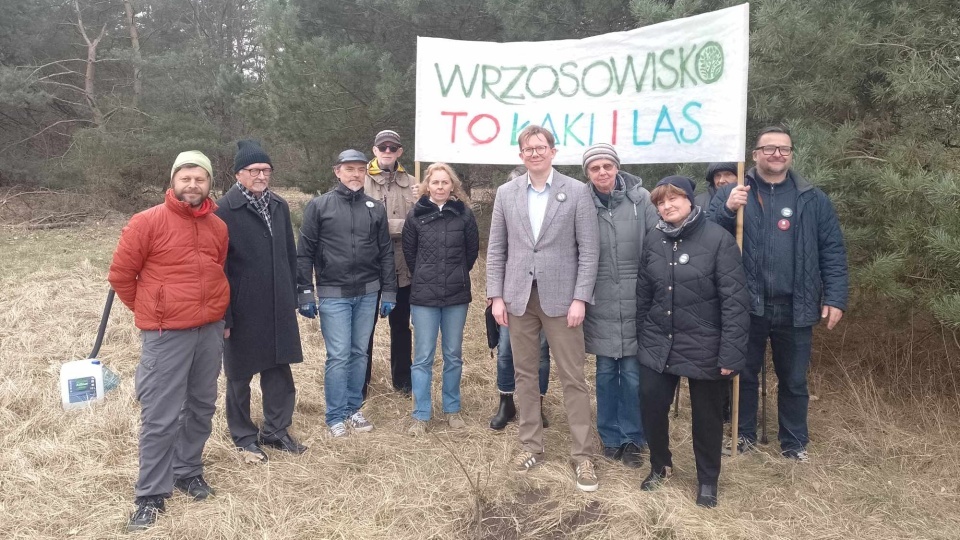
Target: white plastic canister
81,382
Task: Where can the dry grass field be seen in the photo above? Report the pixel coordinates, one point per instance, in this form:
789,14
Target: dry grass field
885,463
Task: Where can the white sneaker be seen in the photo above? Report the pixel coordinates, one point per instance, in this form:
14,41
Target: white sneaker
338,430
359,423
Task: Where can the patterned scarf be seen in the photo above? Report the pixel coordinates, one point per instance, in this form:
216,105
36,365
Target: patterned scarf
261,205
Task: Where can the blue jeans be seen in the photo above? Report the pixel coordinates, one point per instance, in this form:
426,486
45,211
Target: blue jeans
791,348
505,376
346,324
618,401
427,322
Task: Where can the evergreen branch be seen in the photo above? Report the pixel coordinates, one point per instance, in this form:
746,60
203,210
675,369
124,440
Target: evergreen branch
37,134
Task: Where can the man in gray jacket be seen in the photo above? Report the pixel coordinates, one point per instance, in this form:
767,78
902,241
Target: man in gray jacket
345,241
624,214
541,268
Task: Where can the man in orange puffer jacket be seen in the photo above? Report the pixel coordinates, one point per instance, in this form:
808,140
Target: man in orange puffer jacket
168,269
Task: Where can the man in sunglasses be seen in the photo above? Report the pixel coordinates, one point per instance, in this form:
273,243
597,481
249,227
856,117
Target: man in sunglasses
796,268
388,182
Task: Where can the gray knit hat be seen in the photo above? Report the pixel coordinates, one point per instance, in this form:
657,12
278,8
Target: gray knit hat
600,151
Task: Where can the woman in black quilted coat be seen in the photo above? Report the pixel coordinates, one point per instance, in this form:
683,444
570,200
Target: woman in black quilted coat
692,321
440,244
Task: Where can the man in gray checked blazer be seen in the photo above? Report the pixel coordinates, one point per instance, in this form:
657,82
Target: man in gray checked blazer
541,268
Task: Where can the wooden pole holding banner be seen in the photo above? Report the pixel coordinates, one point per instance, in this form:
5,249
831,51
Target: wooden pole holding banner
416,170
735,405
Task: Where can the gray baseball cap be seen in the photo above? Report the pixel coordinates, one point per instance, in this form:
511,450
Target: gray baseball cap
351,156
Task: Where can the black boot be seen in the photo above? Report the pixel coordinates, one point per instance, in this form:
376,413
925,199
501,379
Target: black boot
655,479
707,495
505,413
543,417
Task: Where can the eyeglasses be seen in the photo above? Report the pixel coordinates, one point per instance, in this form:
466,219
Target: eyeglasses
530,150
257,172
609,167
389,147
772,149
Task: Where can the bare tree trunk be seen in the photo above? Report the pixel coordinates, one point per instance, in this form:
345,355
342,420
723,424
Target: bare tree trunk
89,76
137,59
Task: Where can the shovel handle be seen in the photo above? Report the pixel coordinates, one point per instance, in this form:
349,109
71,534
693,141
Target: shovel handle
103,324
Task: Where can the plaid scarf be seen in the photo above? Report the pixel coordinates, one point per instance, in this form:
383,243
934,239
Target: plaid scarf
261,205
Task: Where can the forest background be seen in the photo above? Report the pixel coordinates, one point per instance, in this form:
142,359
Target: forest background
97,97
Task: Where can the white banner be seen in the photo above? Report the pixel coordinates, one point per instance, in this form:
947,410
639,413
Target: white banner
673,92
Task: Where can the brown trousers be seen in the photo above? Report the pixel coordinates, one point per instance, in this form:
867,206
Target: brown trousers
569,352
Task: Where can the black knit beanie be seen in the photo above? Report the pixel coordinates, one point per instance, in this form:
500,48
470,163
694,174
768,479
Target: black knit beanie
681,182
248,153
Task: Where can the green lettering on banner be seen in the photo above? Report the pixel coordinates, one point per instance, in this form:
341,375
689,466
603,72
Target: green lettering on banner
586,73
553,87
517,128
686,114
665,117
680,67
486,84
651,63
548,121
620,79
668,67
505,95
571,76
710,62
456,74
567,126
684,65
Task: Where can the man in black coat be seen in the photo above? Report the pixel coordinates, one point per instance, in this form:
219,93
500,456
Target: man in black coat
796,269
261,332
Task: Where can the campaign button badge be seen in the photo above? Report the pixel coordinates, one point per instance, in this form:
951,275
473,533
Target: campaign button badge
369,204
783,224
561,197
684,259
786,212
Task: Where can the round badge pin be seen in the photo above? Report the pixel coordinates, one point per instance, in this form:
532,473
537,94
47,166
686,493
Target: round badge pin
369,204
684,259
783,224
561,197
786,212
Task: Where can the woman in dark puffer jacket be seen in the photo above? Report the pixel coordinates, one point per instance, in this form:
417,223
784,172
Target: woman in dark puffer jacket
440,244
692,321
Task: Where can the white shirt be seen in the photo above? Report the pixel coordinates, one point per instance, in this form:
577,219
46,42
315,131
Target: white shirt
537,204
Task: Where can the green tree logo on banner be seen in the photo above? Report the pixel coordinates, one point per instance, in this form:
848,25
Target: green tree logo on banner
710,62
